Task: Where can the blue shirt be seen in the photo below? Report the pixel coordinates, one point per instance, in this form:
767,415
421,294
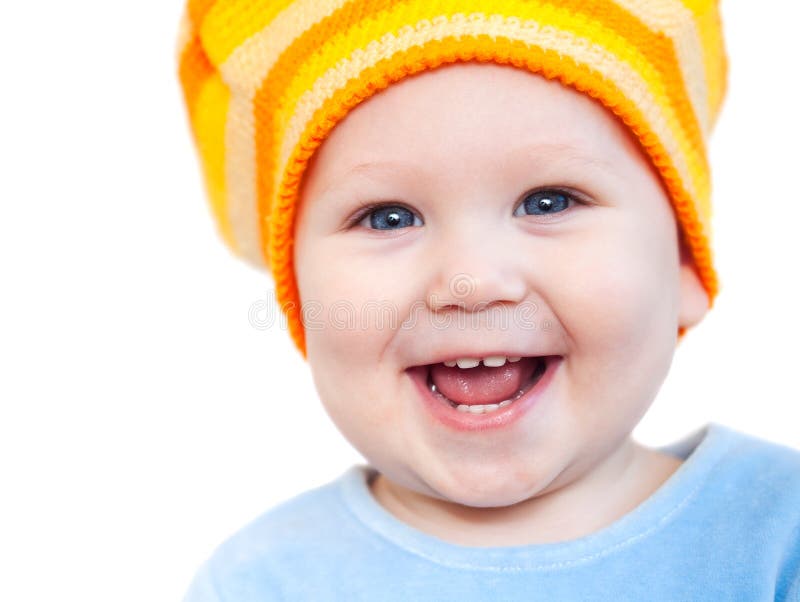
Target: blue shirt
724,527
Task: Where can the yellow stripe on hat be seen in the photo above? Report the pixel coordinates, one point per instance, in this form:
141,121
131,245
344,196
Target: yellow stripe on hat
245,70
676,21
208,121
230,22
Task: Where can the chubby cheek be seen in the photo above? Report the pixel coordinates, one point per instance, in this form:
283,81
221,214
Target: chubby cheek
353,391
349,312
349,324
617,301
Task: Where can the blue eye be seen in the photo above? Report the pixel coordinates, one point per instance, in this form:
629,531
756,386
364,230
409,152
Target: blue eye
545,202
389,217
397,217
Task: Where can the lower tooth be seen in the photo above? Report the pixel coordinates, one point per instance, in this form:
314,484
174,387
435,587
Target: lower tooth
479,409
483,409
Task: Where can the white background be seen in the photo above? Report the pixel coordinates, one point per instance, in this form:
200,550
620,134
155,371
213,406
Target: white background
144,419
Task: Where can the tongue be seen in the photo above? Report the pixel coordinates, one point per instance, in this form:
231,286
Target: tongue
482,385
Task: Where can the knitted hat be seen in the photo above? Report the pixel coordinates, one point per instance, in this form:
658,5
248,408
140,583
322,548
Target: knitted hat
265,81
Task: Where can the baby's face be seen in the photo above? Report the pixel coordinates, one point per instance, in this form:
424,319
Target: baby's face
515,217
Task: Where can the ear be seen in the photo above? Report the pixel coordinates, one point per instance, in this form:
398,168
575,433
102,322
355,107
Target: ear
693,301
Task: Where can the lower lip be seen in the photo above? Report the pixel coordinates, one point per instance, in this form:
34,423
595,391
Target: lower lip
465,421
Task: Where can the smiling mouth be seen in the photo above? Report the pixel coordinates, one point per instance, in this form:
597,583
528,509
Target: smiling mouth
483,390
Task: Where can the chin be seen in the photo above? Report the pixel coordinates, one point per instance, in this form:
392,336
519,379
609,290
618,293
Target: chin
487,489
488,499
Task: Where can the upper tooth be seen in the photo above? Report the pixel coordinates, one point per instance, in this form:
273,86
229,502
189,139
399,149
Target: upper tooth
493,361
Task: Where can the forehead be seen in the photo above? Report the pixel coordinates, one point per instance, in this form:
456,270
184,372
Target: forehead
470,116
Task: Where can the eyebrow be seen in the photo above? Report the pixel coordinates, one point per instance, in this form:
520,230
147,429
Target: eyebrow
533,154
367,168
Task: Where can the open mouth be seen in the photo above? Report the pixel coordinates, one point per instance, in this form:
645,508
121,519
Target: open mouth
484,387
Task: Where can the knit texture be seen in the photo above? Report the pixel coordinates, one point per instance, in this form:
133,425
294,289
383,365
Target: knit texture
265,81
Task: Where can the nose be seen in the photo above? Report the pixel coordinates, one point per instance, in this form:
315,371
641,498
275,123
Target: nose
474,277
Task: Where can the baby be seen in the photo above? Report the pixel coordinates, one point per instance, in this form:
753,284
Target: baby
510,202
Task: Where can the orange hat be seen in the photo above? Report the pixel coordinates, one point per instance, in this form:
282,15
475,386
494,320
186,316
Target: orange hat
265,81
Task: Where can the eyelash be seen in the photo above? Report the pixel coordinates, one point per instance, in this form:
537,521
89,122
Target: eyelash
364,209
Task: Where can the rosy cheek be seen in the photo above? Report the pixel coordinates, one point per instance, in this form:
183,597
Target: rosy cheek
608,293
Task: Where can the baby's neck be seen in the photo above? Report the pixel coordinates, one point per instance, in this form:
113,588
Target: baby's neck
563,512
